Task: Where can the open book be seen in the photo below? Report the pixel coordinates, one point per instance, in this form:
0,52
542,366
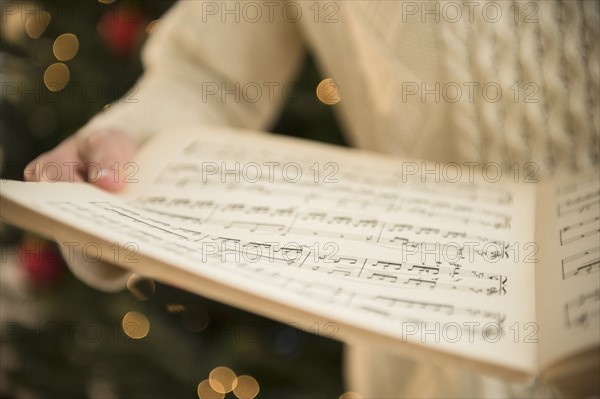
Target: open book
450,261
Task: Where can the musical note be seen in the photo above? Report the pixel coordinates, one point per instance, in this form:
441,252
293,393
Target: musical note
581,230
256,227
387,265
341,260
398,228
418,282
454,234
582,262
383,277
315,216
343,272
233,207
259,210
427,230
580,204
372,223
340,220
367,216
427,269
584,311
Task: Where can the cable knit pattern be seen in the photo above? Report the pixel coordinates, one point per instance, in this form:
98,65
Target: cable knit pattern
578,118
456,41
547,50
591,33
559,143
530,55
484,59
546,61
510,76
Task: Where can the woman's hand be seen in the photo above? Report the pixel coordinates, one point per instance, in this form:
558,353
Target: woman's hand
99,158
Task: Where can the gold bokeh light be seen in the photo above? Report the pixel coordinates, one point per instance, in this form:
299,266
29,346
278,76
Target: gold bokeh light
328,92
57,76
205,391
246,387
36,24
65,47
175,308
136,325
222,379
141,287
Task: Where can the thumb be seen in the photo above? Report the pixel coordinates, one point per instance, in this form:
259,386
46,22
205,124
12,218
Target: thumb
107,155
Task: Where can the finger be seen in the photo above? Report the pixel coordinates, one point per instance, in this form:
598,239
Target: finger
106,155
31,171
59,165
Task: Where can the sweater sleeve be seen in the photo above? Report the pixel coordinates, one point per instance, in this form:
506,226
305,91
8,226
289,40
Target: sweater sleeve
201,66
208,63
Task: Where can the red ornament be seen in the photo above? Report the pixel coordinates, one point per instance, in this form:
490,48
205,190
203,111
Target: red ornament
121,29
41,260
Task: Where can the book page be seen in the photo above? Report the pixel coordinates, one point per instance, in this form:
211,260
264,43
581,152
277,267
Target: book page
567,278
366,247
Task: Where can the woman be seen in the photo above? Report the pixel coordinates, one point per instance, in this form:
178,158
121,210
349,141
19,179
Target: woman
516,83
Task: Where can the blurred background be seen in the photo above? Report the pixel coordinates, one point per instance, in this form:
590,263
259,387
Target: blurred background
61,62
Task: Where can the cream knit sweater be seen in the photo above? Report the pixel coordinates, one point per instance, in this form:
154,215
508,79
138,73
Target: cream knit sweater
499,81
482,81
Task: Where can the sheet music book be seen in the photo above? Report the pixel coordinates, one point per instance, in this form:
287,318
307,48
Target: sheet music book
497,275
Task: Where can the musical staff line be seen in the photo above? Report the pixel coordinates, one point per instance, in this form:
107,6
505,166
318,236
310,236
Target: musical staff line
195,245
583,311
576,231
297,221
581,263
